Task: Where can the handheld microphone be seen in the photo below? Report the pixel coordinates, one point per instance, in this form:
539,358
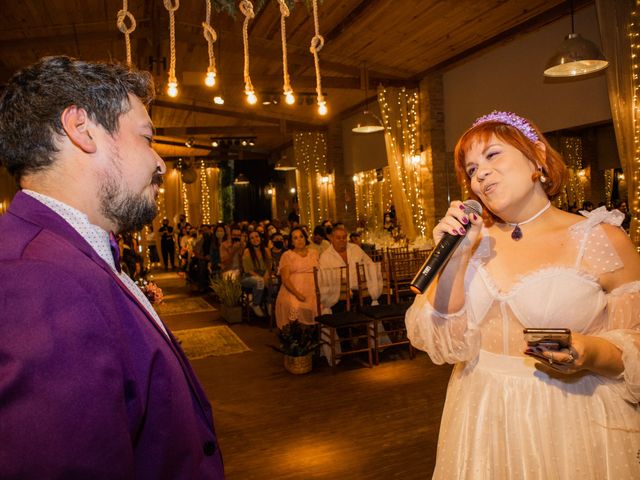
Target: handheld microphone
439,256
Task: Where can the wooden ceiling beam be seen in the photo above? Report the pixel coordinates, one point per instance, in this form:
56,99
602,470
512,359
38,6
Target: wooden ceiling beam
240,130
276,119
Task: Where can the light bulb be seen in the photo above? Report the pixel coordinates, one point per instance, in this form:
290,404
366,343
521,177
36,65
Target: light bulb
218,100
289,98
251,98
270,191
293,190
210,79
172,89
355,178
415,159
322,108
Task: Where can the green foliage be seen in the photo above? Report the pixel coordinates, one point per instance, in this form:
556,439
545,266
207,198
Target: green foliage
297,339
227,288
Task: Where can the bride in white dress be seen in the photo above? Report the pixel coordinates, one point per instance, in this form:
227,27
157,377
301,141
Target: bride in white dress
529,264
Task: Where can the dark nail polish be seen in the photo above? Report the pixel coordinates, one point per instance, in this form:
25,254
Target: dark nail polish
462,231
454,232
462,207
465,220
475,217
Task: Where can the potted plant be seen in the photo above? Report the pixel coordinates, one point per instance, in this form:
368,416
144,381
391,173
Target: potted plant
228,290
298,342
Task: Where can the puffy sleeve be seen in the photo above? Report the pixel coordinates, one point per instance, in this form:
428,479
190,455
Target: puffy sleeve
447,338
285,261
623,330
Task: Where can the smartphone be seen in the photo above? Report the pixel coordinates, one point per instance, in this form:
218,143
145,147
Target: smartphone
548,338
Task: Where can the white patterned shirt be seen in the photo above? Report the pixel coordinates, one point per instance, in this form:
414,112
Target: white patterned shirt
98,239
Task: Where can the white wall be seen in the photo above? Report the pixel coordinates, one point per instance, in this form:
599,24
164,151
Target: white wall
509,77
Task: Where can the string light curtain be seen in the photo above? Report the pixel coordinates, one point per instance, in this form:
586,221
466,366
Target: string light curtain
373,198
620,35
399,108
608,186
310,152
124,15
571,149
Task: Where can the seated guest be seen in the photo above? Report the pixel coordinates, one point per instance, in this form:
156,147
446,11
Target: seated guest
354,237
341,253
319,240
256,266
231,253
277,250
297,297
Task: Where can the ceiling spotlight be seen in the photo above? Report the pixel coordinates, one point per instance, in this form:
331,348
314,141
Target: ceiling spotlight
244,143
218,100
189,142
215,143
252,143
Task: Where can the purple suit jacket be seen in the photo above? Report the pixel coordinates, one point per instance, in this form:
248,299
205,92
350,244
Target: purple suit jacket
90,387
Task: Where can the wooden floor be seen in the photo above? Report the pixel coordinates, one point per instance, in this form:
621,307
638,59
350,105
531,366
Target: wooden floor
346,423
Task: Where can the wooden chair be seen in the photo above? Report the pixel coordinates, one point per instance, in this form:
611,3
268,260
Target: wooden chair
354,328
388,320
402,270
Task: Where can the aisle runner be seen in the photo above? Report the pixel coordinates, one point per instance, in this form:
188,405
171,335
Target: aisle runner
183,306
210,341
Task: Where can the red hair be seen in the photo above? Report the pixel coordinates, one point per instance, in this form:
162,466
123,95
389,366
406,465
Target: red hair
553,167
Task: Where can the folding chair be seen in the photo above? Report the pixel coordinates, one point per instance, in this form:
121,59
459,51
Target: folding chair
356,329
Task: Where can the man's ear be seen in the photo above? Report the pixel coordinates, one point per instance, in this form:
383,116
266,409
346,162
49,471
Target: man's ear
77,126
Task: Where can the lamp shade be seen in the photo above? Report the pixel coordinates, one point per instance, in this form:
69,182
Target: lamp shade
369,124
241,180
575,56
281,167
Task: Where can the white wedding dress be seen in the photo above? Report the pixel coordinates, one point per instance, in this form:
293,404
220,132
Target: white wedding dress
503,418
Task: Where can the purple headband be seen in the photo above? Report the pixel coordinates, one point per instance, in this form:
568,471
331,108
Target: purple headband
510,119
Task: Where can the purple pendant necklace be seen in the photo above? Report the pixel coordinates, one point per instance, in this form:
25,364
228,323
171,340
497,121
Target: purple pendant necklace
516,234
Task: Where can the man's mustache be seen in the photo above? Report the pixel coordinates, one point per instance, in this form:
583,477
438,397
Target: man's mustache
157,179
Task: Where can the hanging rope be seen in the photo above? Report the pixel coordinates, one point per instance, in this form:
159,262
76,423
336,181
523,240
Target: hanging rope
286,89
317,42
123,15
246,7
210,36
172,86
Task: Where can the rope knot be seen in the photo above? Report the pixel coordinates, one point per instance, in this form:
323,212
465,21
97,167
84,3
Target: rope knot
171,6
284,10
317,42
246,7
122,26
209,33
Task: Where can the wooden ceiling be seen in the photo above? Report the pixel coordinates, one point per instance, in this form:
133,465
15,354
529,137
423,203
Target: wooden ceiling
399,41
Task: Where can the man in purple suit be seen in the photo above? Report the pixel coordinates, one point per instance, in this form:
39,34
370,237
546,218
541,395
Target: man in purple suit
92,384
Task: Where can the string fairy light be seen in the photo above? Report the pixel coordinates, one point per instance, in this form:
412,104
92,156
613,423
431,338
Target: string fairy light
572,152
608,186
123,15
246,7
317,42
286,88
205,194
172,85
314,198
210,36
401,121
632,169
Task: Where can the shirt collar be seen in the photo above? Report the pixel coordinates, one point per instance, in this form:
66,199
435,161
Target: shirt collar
95,236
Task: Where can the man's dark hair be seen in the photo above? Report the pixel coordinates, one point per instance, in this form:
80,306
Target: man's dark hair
34,99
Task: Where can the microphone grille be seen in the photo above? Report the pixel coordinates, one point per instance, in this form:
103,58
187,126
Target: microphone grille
472,206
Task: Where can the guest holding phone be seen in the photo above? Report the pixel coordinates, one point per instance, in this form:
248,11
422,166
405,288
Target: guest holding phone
572,413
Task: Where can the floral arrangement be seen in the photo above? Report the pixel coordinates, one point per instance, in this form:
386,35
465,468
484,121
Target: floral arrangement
152,291
297,340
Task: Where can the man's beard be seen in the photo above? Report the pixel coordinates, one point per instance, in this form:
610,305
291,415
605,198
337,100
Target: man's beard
129,211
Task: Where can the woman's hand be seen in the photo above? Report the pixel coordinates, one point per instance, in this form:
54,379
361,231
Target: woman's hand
587,352
457,222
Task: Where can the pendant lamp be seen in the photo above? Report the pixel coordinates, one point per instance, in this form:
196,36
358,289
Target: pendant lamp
575,56
369,122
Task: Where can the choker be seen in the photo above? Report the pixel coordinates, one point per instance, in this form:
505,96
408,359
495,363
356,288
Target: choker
517,232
